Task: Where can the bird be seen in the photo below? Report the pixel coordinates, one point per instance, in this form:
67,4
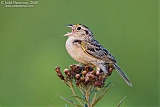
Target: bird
85,49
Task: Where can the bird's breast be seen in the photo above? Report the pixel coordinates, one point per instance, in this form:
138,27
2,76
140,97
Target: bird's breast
74,49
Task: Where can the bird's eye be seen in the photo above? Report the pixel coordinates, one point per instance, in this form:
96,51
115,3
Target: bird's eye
86,31
78,28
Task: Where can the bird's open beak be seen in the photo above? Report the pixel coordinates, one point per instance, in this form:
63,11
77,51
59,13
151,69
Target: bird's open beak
69,33
69,25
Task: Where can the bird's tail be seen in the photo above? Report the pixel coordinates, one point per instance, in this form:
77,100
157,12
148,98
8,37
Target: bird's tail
123,75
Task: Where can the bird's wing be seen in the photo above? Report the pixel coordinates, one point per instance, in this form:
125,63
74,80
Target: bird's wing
96,50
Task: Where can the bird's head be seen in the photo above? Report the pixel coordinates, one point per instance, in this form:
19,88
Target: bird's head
79,31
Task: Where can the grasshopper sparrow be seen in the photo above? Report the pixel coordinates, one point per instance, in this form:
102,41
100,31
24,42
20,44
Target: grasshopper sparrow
82,47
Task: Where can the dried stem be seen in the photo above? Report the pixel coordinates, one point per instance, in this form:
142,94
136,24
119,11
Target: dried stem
94,97
71,86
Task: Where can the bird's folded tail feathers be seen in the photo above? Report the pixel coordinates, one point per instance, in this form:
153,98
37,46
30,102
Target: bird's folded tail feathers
123,75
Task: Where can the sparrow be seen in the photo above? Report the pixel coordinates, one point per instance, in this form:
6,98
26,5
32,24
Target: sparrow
84,48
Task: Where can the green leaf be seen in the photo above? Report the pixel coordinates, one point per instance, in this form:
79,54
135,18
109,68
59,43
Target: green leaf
101,96
81,99
94,91
121,102
70,101
106,86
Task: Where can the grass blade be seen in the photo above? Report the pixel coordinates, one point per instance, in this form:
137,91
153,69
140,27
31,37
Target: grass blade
70,101
101,96
106,86
81,99
121,102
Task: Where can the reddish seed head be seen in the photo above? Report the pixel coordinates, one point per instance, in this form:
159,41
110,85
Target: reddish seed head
66,71
88,74
92,76
77,83
73,67
60,76
86,67
78,67
84,75
100,77
82,79
87,79
57,69
69,74
99,84
84,72
77,76
94,72
97,73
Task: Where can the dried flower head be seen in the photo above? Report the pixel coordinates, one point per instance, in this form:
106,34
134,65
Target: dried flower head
84,75
87,80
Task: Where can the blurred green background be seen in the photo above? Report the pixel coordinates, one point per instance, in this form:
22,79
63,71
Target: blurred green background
32,45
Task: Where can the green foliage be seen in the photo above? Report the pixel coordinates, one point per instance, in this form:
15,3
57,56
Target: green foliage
70,101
